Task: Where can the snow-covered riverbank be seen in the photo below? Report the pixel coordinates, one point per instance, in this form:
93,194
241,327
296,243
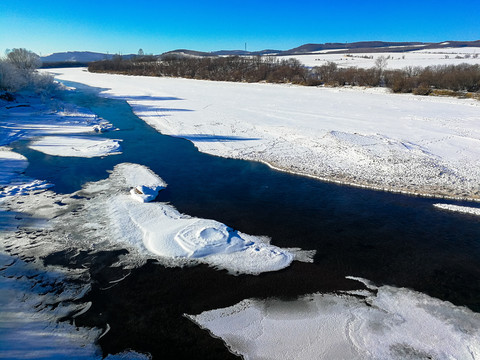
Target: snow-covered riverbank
362,137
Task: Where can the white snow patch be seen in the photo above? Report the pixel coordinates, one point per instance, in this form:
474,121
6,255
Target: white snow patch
326,51
76,146
30,116
384,323
457,208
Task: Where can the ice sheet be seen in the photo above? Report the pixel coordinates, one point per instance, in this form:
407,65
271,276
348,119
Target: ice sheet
29,327
457,208
12,165
76,146
383,323
12,180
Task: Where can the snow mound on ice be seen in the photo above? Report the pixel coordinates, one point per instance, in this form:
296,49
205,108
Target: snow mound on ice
163,231
205,237
457,208
379,323
144,193
144,183
76,146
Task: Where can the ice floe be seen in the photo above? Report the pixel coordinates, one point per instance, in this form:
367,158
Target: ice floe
457,208
161,230
76,146
381,323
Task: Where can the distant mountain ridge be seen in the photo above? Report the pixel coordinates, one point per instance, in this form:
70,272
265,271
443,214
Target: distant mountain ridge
78,56
376,46
355,47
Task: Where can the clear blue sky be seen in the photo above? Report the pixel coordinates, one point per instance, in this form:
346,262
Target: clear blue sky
157,26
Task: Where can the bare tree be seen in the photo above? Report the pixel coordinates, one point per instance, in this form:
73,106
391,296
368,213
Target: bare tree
381,62
24,59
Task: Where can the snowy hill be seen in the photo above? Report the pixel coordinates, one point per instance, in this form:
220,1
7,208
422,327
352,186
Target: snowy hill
78,56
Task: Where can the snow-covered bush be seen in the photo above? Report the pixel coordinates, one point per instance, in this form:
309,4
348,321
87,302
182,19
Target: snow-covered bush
24,59
18,72
10,78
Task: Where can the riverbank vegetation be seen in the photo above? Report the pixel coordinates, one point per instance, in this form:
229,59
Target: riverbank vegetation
463,79
18,71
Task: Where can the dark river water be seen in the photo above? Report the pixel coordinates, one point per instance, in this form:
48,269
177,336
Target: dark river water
387,238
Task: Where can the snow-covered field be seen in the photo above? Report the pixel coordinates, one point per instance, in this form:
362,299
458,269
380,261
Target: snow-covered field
381,323
364,137
396,60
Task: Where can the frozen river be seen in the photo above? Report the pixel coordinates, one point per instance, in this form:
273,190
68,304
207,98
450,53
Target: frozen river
390,239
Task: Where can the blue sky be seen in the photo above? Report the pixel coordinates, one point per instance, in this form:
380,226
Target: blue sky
157,26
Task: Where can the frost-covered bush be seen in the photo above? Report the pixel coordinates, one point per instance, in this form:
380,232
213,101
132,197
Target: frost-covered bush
24,59
10,78
18,72
43,82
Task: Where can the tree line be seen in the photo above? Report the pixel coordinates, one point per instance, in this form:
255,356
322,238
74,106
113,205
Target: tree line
457,78
229,68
